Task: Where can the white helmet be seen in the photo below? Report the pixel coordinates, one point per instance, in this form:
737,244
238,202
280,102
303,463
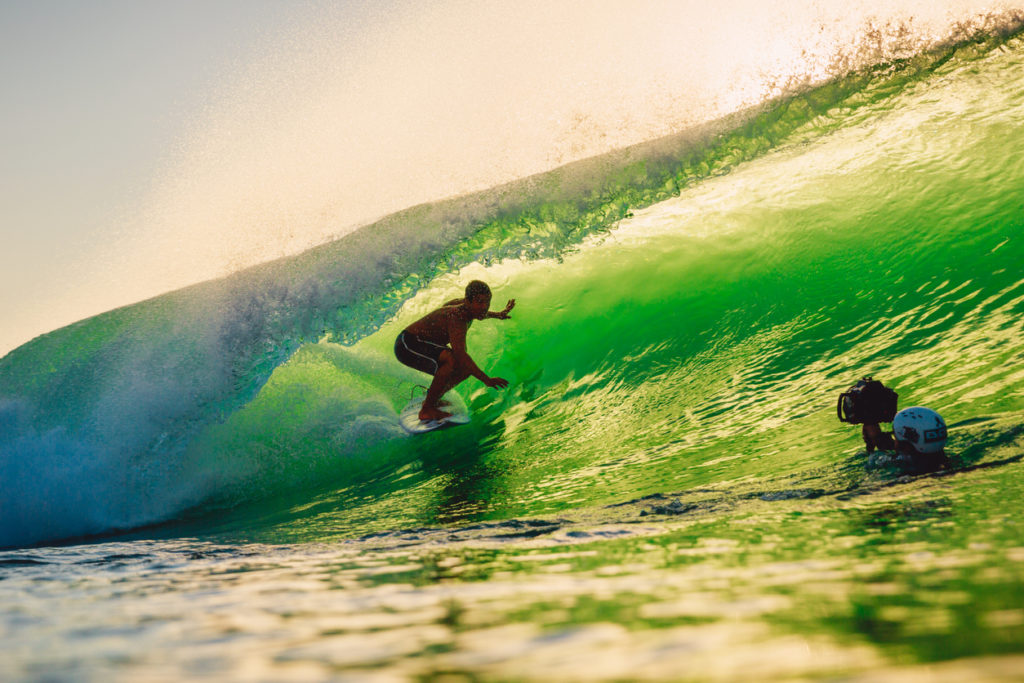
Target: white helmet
922,428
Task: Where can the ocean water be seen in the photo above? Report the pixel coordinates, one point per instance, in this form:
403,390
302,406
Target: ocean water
213,484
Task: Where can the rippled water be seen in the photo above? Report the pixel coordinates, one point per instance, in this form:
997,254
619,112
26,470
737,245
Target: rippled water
868,584
664,491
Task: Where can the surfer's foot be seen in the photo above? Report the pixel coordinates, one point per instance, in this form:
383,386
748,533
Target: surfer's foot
431,414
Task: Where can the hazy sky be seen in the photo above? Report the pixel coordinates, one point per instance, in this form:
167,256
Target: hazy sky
93,94
148,144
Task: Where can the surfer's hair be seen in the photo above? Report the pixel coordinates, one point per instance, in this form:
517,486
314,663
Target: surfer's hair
477,288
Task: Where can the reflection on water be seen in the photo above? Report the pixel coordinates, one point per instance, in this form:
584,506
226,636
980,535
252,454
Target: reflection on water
664,492
774,586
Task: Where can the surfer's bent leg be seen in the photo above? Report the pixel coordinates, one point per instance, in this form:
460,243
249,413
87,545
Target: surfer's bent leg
458,376
449,375
432,359
417,353
442,382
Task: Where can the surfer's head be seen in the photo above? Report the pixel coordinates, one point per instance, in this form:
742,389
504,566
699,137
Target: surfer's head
478,298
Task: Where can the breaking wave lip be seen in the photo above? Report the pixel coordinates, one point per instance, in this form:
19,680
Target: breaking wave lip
97,415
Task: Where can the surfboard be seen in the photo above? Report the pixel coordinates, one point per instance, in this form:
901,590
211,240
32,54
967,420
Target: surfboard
409,418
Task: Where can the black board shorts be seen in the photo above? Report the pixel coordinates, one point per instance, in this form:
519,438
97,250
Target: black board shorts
417,353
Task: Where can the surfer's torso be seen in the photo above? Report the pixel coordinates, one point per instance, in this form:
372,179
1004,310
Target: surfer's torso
436,326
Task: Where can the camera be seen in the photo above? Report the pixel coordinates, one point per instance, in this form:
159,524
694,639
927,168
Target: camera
867,402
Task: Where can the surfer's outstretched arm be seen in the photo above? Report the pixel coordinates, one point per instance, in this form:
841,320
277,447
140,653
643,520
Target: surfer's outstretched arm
465,365
502,315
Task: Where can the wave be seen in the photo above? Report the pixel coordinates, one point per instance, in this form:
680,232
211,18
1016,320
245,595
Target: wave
134,416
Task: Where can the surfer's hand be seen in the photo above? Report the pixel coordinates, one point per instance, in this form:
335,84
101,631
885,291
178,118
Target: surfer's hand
508,307
496,382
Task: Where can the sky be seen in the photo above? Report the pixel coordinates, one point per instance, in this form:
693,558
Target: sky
93,96
150,145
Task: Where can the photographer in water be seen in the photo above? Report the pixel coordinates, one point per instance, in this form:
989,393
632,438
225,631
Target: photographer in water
918,435
868,403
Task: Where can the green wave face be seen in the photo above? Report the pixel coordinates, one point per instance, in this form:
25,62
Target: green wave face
663,490
701,343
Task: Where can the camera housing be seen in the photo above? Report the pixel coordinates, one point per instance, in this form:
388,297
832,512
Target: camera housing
867,402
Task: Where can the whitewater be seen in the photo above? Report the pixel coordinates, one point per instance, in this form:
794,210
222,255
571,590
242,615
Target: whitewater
213,484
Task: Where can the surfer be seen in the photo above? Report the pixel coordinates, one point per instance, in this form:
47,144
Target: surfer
436,344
